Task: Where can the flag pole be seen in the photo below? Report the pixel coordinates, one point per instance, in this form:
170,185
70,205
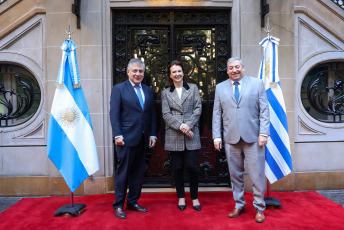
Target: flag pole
71,199
267,30
69,32
270,202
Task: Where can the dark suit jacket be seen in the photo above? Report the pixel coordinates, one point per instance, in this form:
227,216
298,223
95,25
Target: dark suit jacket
127,117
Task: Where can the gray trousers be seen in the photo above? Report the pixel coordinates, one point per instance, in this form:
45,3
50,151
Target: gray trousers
255,162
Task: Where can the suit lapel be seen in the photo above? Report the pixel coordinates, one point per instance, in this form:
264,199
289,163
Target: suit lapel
230,90
174,96
185,94
245,82
132,92
145,92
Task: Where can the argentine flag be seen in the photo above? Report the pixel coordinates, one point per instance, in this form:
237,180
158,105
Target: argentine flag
278,161
71,145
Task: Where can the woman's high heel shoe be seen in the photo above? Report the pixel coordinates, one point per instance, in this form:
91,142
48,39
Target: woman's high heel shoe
182,207
197,207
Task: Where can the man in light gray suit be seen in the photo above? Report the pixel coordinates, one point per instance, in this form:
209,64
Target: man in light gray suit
242,107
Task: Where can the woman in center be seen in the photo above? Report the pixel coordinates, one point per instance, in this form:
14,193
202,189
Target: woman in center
181,110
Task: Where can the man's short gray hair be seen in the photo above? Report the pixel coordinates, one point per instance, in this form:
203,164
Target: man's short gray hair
135,61
232,59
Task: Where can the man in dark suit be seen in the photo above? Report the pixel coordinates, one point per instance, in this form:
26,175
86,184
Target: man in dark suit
242,106
133,121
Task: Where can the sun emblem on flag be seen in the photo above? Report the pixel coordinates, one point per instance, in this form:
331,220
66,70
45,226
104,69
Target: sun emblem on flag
267,69
69,117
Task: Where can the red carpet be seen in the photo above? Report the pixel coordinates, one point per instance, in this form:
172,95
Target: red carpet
301,210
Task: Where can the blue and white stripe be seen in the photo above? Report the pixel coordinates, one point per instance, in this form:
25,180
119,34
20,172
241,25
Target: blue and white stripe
71,145
278,161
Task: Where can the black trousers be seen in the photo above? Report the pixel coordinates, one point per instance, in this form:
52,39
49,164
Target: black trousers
130,170
189,158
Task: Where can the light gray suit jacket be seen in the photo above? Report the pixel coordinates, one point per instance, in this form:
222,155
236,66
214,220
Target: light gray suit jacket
176,111
246,118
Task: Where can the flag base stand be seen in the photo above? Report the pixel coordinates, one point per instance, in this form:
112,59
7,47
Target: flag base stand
71,210
271,202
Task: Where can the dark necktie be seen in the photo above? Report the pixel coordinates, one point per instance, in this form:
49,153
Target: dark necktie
236,91
139,95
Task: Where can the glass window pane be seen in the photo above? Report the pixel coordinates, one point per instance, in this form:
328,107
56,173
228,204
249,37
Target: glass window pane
322,92
20,95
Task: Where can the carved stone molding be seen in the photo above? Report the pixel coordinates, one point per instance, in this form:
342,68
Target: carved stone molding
24,47
17,13
325,13
37,132
311,42
16,42
304,129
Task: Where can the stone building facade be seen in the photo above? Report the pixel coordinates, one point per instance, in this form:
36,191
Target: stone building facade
311,35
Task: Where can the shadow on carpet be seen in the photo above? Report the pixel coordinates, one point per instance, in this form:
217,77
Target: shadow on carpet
300,210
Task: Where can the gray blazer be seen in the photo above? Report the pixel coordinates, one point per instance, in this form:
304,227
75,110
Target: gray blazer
176,111
246,118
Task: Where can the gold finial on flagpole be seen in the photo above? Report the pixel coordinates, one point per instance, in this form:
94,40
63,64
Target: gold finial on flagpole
69,32
268,28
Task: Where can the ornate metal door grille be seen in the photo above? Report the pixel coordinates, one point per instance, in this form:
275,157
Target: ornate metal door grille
201,40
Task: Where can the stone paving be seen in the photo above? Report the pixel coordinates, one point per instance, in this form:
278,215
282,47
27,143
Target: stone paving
336,196
6,202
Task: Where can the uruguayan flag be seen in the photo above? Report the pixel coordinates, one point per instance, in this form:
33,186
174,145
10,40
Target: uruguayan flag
71,145
277,152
